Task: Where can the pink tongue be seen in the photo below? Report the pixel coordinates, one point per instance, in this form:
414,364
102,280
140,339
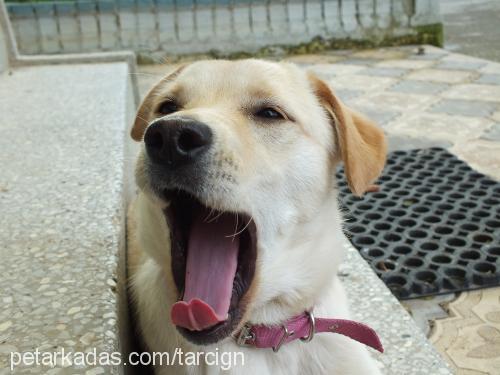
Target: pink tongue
210,270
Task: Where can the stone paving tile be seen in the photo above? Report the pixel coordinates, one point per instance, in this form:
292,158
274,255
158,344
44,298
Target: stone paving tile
384,72
381,54
460,65
491,68
444,76
481,155
492,79
405,64
363,83
470,338
464,107
380,117
335,69
493,133
440,127
346,94
474,91
419,87
394,101
313,59
427,56
405,142
362,62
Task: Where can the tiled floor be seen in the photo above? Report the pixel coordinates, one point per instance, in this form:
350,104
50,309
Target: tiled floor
438,98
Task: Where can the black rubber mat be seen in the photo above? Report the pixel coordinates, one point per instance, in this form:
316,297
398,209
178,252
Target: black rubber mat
433,228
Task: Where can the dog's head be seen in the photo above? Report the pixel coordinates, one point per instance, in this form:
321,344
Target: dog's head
238,158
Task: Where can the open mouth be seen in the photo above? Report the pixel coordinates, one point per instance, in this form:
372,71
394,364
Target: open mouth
213,264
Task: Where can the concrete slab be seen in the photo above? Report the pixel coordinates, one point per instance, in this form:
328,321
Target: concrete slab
407,351
62,197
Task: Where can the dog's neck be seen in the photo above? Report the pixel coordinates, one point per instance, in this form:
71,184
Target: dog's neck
316,246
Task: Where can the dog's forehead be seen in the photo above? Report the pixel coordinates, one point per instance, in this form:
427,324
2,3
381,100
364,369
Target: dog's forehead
224,78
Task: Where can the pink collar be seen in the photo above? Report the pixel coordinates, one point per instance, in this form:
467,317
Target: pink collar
304,327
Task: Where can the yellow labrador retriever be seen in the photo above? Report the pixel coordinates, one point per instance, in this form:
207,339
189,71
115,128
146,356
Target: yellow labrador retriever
236,234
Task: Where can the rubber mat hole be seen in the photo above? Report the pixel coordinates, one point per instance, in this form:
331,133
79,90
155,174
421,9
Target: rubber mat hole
483,238
397,213
485,182
375,253
434,198
486,268
469,227
456,196
417,234
495,251
382,226
402,250
423,189
491,202
432,219
481,213
386,265
441,259
470,255
379,195
409,202
443,230
457,216
478,193
365,206
457,274
426,276
388,203
465,186
494,224
357,229
445,206
468,204
421,209
392,237
392,185
455,242
373,216
414,262
401,193
364,240
408,223
395,282
429,246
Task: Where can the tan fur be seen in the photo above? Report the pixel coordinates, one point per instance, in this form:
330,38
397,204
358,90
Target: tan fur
280,173
362,143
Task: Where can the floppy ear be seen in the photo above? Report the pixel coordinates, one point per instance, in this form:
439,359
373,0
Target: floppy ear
362,143
143,114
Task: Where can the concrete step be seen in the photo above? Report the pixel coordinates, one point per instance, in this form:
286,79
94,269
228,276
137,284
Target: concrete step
63,191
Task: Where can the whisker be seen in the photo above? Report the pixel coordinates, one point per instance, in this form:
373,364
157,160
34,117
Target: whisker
241,231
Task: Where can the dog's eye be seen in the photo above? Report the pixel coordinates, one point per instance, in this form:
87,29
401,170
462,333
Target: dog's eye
168,107
269,114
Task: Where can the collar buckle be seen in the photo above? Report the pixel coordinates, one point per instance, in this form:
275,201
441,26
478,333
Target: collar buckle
246,336
286,334
312,327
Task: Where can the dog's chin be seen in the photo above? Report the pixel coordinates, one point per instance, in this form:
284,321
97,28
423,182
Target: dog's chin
185,215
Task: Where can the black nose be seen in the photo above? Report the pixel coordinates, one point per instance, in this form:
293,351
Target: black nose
177,141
